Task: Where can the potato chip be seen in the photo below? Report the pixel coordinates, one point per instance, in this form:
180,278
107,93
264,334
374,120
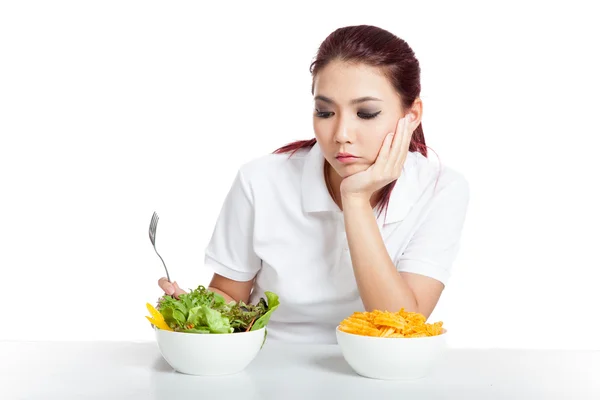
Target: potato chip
401,324
389,321
359,327
358,315
386,332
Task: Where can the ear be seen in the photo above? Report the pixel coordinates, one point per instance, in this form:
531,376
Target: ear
416,111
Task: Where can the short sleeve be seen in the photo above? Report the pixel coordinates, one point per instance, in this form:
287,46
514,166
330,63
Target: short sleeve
435,244
230,251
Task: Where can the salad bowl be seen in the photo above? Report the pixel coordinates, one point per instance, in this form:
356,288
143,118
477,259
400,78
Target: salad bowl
200,333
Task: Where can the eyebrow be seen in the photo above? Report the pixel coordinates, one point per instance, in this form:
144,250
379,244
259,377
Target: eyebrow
355,101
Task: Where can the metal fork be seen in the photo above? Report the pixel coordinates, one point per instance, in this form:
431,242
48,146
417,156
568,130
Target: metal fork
152,233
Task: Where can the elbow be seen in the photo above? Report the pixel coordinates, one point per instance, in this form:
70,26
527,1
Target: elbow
394,303
393,307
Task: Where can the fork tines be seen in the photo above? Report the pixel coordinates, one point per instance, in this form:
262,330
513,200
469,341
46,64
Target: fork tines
152,230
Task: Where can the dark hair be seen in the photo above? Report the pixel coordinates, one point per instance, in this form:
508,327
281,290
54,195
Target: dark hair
378,48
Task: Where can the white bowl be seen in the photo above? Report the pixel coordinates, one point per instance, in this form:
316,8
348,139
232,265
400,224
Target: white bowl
209,354
391,358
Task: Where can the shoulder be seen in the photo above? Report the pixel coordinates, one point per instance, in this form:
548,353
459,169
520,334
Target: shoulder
430,172
273,166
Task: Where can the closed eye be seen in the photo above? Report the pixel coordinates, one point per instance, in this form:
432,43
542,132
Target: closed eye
323,114
367,115
328,114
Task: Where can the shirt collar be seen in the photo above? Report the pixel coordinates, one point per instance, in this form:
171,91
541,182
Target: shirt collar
316,198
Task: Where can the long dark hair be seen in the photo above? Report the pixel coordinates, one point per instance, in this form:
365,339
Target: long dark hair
378,48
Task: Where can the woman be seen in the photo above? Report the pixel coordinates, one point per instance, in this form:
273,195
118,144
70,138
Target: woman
357,218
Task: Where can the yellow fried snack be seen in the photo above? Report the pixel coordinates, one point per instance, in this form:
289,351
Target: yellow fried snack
395,322
358,315
358,326
156,318
401,324
387,332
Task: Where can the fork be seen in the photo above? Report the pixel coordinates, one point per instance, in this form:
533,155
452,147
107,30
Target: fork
152,233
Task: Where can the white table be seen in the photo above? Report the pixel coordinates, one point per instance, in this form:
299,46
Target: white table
115,370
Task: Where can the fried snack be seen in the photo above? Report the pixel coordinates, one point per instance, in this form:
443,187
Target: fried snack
387,332
401,324
359,327
394,322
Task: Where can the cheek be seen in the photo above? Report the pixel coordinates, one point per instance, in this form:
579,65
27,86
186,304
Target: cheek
323,141
325,144
322,132
374,144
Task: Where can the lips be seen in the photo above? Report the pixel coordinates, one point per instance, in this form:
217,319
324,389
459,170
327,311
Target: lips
345,155
346,158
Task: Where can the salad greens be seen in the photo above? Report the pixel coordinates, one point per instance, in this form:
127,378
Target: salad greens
204,311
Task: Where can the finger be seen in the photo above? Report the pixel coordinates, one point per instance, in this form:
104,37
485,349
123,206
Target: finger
406,139
399,138
178,290
384,151
390,166
166,286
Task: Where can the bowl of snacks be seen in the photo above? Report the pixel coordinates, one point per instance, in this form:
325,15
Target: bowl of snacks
391,345
201,334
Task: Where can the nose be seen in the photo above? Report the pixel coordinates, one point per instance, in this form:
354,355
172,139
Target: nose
344,132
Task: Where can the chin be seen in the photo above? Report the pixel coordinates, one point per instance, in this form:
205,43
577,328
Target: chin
346,171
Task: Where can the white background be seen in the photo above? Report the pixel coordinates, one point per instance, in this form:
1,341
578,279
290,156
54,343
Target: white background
111,110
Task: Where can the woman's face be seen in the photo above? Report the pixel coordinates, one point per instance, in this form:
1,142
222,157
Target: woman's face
355,107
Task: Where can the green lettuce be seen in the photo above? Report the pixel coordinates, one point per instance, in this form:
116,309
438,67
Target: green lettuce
204,311
273,303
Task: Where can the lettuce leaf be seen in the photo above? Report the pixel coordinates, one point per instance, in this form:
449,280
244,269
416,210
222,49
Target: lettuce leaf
203,311
216,322
273,303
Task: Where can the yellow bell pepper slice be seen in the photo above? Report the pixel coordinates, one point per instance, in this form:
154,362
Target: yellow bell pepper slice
157,319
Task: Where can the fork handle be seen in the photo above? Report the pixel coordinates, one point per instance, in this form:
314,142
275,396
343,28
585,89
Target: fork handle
163,261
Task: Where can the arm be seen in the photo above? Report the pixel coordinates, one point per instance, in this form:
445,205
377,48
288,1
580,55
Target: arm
230,252
415,279
230,289
380,284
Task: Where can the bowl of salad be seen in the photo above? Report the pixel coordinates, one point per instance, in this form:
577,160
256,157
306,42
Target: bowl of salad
201,334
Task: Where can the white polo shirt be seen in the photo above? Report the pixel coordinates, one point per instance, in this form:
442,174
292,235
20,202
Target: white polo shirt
280,224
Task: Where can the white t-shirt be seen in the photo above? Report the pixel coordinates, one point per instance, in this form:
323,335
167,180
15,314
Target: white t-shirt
280,224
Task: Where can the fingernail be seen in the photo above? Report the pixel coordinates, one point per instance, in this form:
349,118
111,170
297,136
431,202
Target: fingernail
170,290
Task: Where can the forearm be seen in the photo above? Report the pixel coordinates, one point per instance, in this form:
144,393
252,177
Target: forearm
380,285
227,297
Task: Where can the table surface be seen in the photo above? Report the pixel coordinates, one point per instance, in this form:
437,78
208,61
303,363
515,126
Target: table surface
129,370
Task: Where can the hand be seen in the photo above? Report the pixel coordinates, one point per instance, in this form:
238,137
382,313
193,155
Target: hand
386,168
171,289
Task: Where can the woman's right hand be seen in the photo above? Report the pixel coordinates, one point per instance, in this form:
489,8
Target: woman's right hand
171,289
